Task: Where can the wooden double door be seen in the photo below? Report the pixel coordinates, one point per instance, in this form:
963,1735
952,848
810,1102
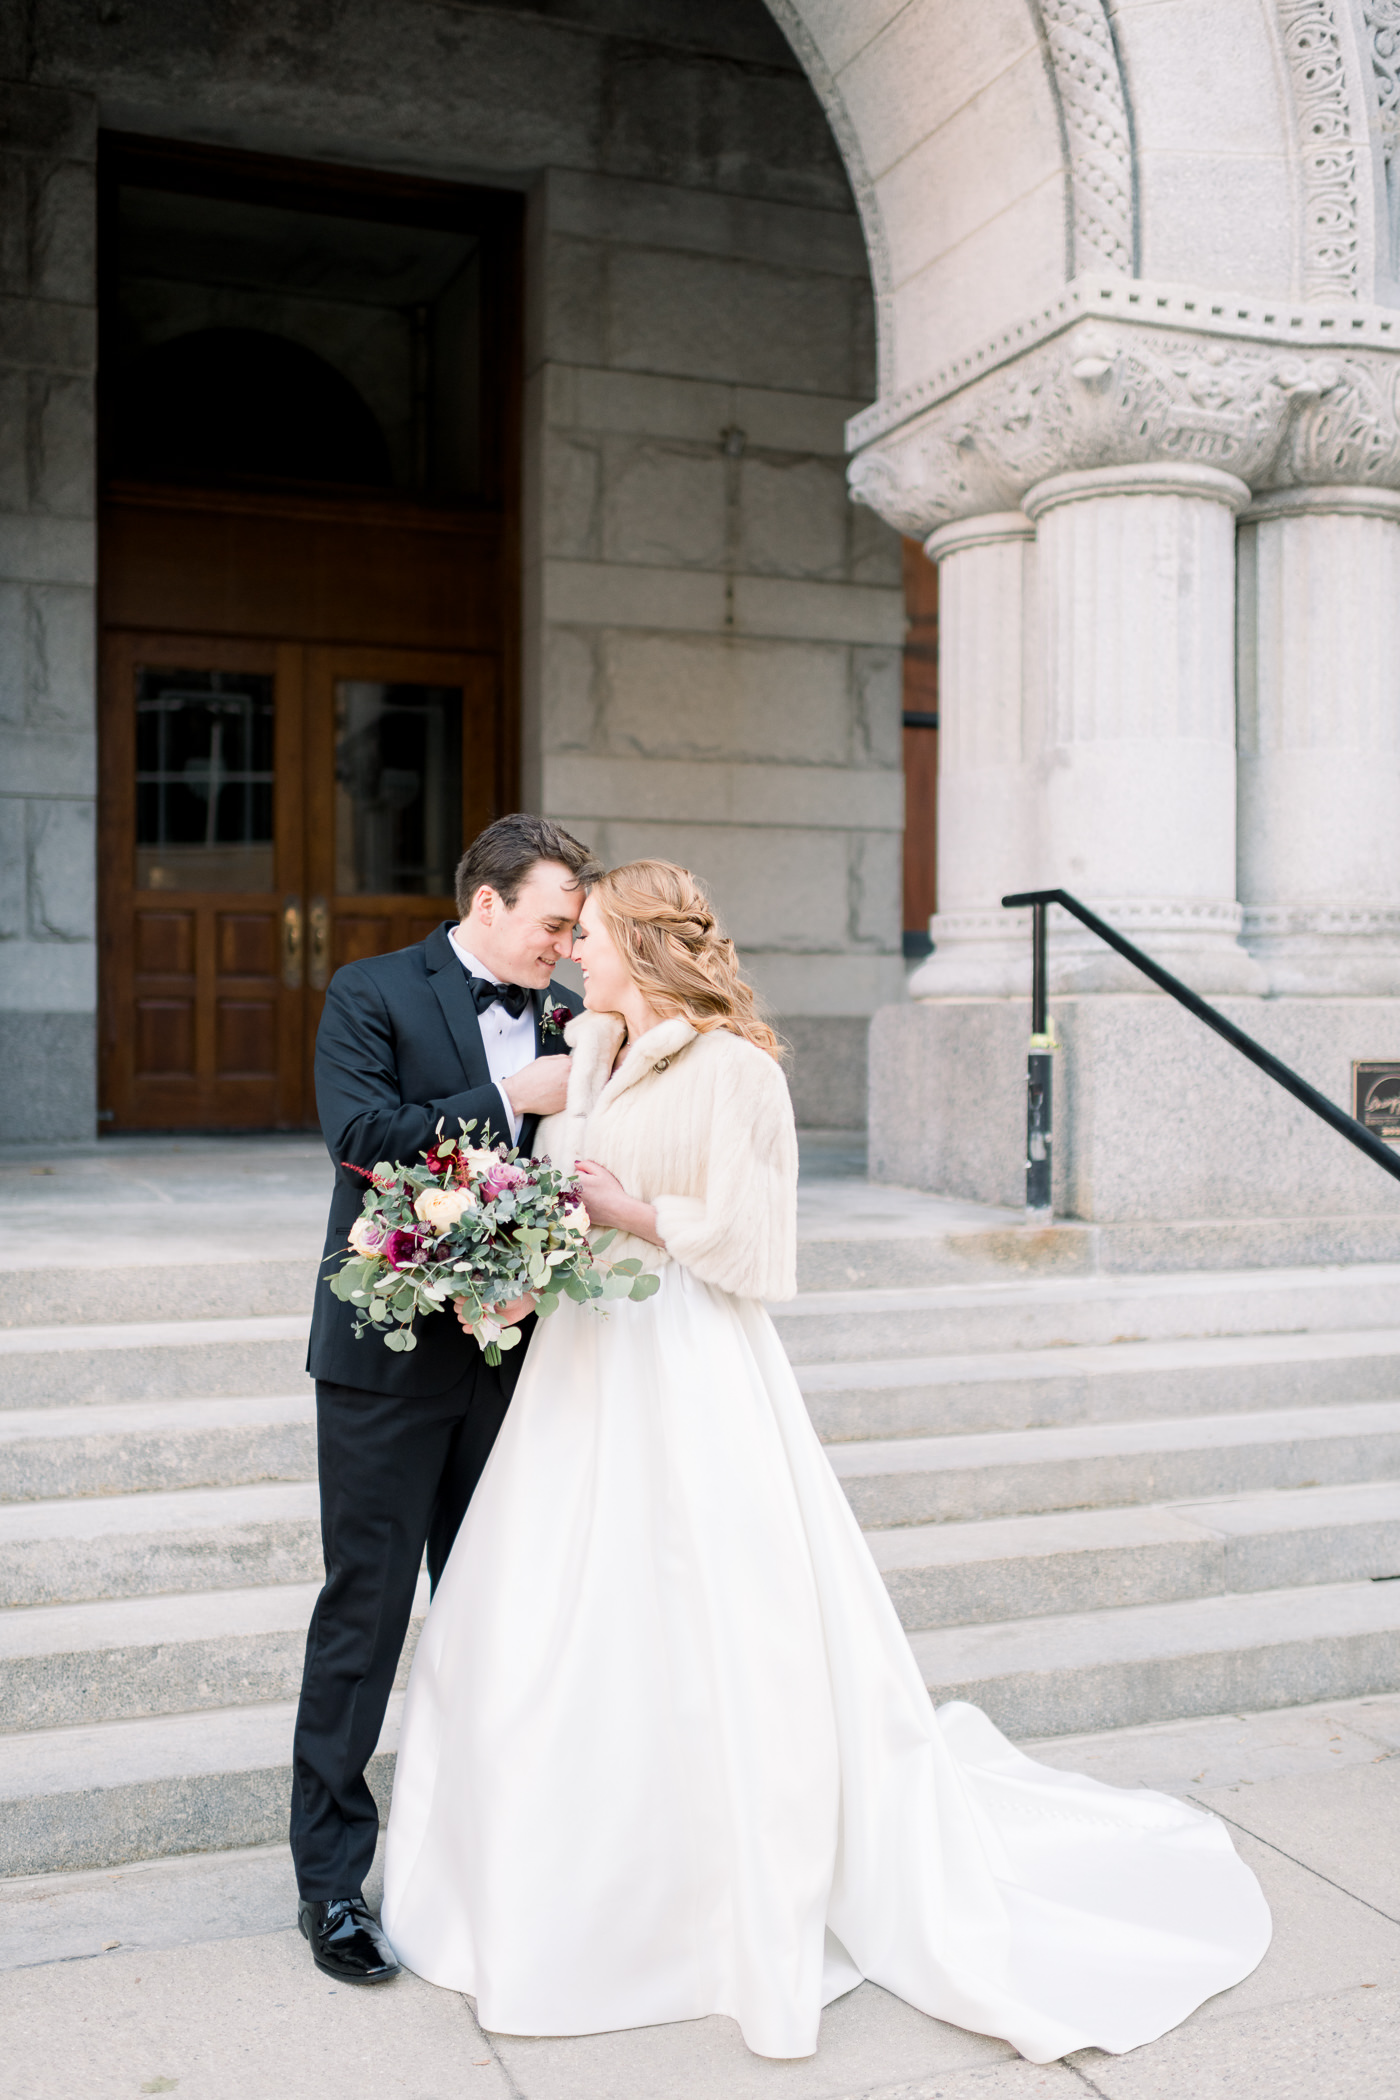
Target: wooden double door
270,810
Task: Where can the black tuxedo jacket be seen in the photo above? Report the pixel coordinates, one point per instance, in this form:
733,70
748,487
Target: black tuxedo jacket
399,1046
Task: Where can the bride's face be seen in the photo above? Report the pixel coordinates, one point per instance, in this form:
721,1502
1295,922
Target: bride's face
607,981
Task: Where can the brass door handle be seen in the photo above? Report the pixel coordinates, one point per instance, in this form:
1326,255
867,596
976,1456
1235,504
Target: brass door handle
291,944
319,973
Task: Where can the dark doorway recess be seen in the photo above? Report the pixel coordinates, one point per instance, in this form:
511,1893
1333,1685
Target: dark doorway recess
309,443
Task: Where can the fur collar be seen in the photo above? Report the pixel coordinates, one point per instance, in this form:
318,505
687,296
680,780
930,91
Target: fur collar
594,1041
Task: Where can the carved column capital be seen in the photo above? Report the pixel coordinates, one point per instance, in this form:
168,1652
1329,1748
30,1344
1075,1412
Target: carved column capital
1107,391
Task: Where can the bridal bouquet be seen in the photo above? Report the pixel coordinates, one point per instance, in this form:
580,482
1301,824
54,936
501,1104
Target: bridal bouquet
477,1224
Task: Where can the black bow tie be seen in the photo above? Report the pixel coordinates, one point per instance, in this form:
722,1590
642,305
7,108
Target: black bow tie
513,997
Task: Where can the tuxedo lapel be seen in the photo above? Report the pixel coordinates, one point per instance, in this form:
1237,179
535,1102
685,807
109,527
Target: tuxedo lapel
552,995
449,982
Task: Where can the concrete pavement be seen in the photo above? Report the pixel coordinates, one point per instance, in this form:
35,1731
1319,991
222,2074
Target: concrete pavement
185,1976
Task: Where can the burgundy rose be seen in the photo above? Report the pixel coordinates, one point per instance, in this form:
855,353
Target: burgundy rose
403,1248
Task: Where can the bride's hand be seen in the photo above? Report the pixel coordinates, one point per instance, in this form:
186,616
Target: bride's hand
518,1309
609,1204
601,1190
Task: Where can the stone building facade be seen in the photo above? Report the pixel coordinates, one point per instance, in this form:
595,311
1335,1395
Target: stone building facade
709,630
1106,294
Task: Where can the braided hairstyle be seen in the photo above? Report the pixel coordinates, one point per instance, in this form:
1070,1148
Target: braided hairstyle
660,918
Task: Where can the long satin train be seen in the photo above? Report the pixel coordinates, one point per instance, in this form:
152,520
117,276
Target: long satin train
666,1751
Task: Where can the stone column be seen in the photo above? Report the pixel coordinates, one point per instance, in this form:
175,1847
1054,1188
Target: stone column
985,817
1319,739
1136,576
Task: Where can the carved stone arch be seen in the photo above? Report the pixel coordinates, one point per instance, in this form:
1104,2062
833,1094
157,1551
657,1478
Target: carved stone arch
1092,95
1331,147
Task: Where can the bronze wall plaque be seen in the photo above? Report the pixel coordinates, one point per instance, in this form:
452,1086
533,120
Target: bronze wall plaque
1375,1094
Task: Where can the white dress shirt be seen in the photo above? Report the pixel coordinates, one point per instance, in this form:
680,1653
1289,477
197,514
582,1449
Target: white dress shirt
508,1039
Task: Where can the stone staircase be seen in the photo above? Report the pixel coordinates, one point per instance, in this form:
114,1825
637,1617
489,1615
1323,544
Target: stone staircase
1097,1499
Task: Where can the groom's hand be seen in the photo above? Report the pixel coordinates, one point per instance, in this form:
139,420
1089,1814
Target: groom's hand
540,1089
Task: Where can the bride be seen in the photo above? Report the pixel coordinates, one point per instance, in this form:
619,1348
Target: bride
666,1751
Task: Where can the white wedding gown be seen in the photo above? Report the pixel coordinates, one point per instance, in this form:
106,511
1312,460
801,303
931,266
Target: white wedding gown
666,1751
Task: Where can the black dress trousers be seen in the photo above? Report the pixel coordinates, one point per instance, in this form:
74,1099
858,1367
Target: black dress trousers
397,1473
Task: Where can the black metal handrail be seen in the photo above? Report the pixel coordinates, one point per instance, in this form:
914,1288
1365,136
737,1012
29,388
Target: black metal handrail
1038,1110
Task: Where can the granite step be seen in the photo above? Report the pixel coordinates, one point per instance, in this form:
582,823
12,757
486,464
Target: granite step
1077,1671
1084,1311
101,1795
73,1551
1117,1381
75,1798
65,1452
65,1665
949,1479
1102,1559
168,1287
151,1360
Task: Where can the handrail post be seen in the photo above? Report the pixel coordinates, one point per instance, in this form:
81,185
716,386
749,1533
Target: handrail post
1040,1084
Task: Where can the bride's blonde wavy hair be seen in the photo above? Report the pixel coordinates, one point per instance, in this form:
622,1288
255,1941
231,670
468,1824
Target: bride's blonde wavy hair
680,957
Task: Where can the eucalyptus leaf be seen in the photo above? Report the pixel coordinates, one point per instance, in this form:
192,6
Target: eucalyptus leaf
646,1286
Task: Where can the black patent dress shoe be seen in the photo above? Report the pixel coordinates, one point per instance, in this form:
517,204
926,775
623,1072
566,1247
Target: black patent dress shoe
346,1941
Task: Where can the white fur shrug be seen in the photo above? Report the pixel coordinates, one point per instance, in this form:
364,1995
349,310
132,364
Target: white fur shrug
699,1125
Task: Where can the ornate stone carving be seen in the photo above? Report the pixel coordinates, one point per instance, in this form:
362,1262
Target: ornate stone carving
1327,133
1097,133
1108,393
1382,20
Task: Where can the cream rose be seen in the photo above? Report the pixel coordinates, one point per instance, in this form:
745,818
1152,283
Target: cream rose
443,1207
479,1160
367,1235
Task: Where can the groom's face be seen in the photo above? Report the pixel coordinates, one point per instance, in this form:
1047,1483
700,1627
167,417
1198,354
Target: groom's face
522,942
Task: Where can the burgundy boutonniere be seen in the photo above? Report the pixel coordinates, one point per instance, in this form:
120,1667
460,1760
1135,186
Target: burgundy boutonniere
554,1020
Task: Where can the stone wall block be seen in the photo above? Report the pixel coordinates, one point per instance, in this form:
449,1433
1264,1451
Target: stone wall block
664,504
792,516
14,616
876,553
572,689
61,852
747,128
877,702
687,696
50,1062
60,673
63,441
64,233
13,866
14,440
717,319
575,303
875,871
773,888
48,120
572,486
14,223
48,335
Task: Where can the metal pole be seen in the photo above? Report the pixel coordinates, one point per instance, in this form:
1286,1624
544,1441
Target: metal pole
1040,1085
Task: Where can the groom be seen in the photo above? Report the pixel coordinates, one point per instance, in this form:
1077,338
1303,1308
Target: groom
448,1029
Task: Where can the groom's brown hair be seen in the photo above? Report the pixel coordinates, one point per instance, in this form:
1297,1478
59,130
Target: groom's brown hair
500,857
